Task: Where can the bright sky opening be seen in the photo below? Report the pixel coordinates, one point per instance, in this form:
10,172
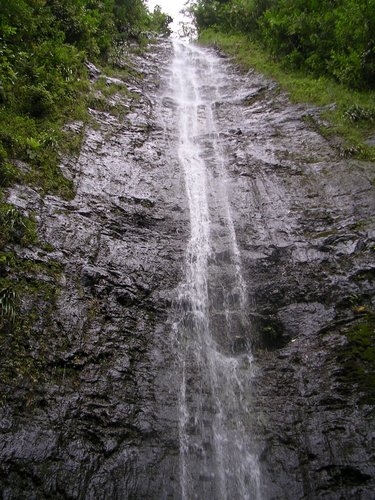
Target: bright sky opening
173,8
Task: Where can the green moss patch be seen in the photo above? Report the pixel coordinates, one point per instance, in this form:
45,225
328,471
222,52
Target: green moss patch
358,358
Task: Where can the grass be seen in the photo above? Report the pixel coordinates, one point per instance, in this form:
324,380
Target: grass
15,227
38,143
107,96
353,115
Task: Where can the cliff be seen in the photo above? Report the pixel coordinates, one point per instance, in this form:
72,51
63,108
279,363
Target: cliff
90,381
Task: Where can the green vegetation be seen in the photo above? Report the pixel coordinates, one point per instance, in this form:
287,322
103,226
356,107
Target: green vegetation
320,52
358,357
26,279
15,227
330,37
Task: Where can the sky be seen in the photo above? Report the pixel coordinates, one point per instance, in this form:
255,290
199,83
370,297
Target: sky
171,7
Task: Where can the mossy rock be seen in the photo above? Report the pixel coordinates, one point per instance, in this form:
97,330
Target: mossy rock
358,358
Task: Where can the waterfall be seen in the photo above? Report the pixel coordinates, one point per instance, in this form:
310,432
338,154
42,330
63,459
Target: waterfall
218,459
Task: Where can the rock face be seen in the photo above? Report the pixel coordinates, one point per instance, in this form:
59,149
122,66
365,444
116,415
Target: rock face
102,420
305,229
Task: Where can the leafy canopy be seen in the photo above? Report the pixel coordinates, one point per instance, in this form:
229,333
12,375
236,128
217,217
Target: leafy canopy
324,37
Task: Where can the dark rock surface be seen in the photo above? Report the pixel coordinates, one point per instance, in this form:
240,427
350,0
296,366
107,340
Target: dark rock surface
305,226
100,423
103,423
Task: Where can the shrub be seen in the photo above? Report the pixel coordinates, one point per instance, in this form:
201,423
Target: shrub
37,101
357,113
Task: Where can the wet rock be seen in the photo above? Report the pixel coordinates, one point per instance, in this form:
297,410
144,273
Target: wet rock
120,243
297,208
94,72
371,141
103,420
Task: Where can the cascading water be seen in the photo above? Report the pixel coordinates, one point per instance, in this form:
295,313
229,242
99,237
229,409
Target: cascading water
217,453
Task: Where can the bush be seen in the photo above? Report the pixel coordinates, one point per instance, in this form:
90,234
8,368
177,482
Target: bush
325,38
37,101
356,113
15,228
8,174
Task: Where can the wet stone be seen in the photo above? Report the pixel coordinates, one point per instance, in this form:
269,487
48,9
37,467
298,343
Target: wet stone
103,419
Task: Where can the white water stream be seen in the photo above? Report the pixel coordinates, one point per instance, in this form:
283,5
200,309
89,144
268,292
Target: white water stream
217,452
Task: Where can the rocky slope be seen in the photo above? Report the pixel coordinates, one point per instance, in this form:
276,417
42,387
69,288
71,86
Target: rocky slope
98,419
306,230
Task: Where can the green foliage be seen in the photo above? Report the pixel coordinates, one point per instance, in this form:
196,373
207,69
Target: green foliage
332,37
160,21
357,113
8,174
131,18
15,228
358,357
38,101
